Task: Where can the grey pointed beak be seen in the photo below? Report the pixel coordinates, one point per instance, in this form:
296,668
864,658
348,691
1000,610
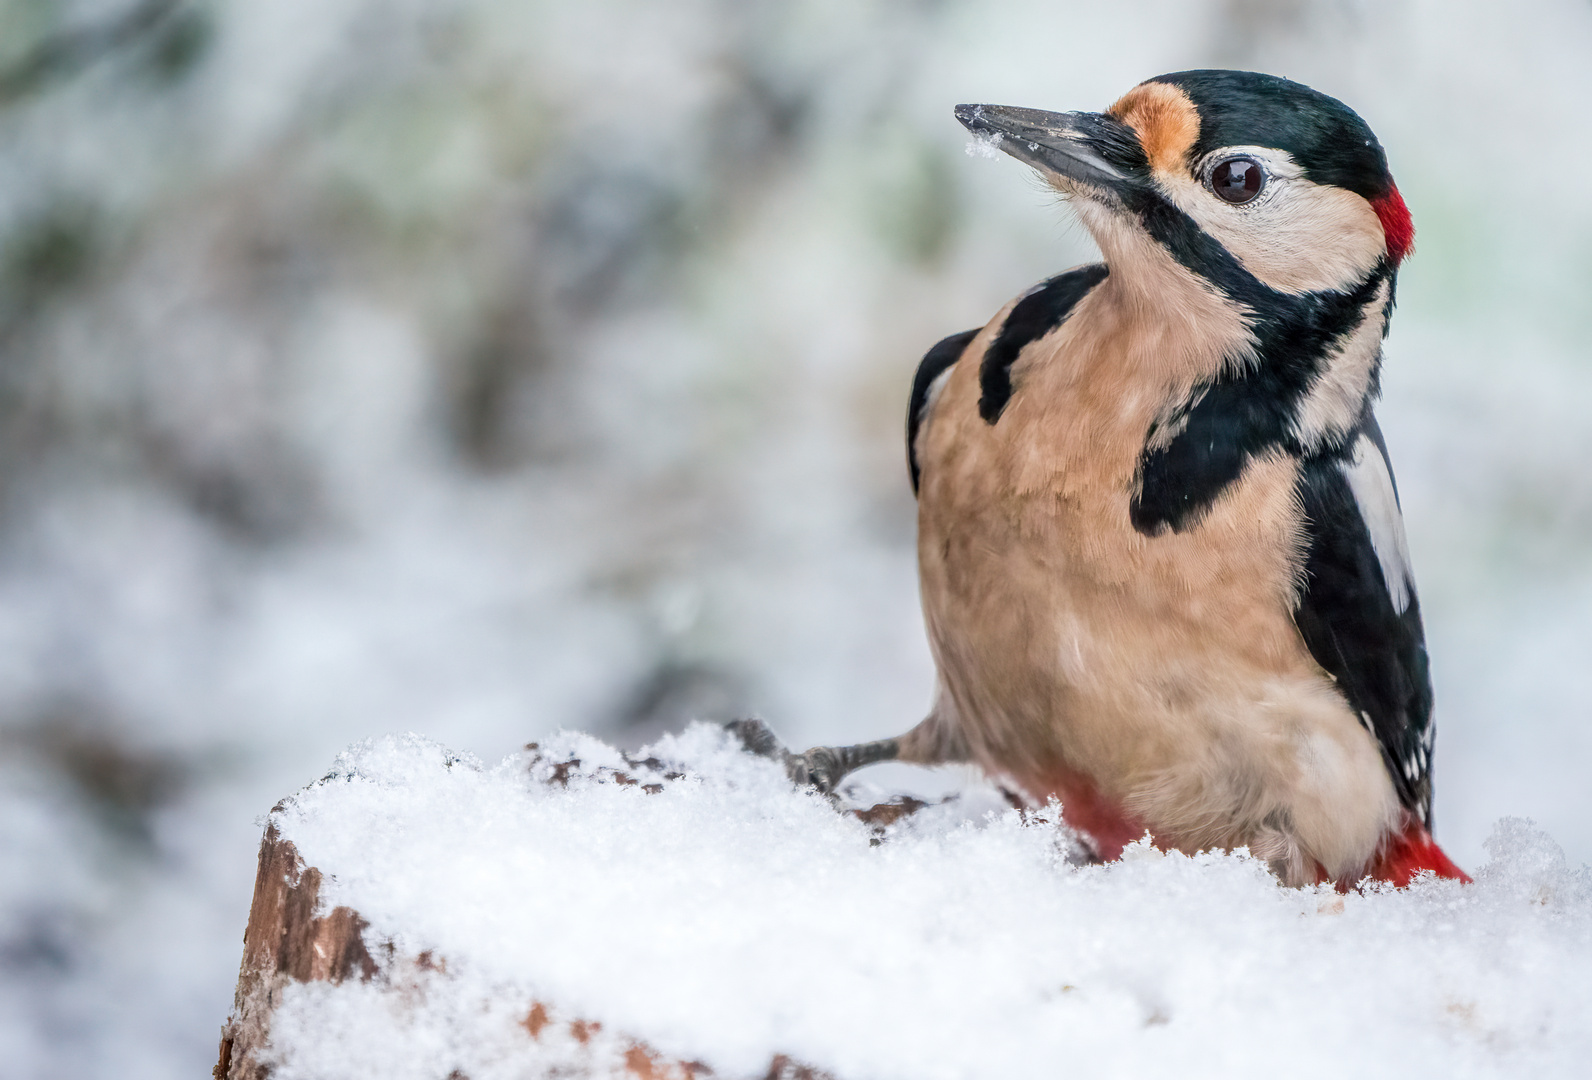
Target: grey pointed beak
1090,149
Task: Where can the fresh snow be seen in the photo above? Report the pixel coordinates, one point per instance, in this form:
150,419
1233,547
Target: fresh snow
729,917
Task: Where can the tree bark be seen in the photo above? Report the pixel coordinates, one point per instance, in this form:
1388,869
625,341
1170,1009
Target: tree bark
284,942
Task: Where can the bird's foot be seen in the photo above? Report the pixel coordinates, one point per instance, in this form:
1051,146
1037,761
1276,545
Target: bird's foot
822,767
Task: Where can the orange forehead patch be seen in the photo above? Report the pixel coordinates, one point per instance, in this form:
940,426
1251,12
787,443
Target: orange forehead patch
1164,119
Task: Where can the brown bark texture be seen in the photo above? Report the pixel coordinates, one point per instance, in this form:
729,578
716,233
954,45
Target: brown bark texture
285,942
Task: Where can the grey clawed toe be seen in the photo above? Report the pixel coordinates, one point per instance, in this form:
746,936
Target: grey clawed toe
822,767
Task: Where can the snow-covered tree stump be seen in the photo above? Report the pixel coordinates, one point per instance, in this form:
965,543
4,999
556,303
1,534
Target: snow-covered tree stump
573,912
290,940
286,942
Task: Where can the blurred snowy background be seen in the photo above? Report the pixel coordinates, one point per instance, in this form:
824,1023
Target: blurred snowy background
483,367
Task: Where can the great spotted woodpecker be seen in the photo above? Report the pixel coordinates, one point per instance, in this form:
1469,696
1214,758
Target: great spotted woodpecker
1162,560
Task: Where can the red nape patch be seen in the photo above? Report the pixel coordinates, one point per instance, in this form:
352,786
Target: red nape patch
1397,226
1411,852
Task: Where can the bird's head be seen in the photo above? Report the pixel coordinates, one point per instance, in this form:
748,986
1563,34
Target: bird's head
1232,174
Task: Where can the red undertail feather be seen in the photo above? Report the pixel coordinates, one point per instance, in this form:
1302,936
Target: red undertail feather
1107,828
1397,226
1408,853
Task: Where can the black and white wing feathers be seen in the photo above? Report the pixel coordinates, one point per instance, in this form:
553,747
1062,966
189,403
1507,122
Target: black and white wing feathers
1359,614
1036,313
936,364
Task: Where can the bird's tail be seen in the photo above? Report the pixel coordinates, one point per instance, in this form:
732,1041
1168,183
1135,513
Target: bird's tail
1407,853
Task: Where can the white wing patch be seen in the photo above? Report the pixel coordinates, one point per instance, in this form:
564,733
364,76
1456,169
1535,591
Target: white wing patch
1372,486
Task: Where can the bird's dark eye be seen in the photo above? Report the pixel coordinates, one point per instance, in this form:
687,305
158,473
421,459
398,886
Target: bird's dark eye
1237,180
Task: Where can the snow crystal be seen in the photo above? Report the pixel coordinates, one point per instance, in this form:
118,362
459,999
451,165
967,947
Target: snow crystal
984,146
722,916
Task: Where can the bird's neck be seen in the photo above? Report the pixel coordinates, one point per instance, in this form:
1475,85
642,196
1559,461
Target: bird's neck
1310,360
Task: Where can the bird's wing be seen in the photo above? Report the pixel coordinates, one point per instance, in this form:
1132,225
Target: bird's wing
926,384
1036,313
1359,614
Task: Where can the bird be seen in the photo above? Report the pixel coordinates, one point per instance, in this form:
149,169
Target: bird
1162,560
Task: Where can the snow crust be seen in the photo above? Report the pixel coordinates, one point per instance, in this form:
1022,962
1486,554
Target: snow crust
725,917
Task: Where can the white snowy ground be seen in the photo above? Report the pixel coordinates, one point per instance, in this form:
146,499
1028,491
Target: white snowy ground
730,917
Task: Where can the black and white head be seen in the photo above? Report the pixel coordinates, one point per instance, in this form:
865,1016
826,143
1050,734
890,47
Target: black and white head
1222,167
1259,215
